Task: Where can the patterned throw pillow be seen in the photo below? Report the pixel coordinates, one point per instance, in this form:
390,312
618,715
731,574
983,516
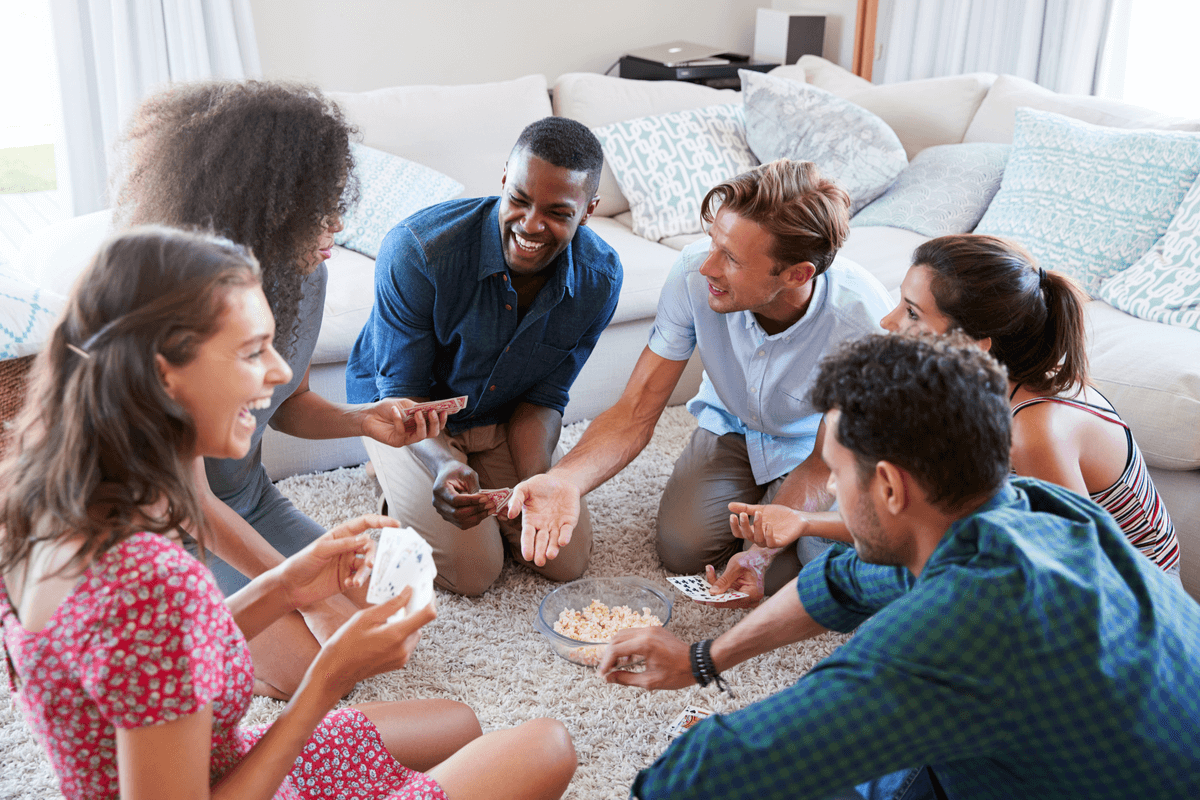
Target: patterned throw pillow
1089,200
665,164
391,189
944,190
1164,284
788,119
27,316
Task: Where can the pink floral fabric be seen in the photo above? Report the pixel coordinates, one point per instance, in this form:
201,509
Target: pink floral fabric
145,638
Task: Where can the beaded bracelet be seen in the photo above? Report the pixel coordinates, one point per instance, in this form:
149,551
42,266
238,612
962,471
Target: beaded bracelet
703,669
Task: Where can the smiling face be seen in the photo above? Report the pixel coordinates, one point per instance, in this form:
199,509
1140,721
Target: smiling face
541,207
322,245
740,268
234,372
917,311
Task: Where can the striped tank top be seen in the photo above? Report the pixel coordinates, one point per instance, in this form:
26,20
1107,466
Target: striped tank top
1133,501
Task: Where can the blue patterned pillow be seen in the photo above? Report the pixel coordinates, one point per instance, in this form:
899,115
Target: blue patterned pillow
27,316
1164,284
850,145
1089,200
391,189
665,164
944,190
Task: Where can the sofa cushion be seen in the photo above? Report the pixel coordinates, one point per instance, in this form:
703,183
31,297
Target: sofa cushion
1089,200
884,252
1164,284
27,316
923,113
665,164
349,295
465,132
390,188
786,119
995,119
645,265
944,190
599,100
1151,374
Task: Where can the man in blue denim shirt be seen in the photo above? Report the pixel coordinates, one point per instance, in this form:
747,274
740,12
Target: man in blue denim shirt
762,300
502,300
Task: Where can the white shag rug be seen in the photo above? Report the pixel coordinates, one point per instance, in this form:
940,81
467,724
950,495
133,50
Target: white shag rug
486,653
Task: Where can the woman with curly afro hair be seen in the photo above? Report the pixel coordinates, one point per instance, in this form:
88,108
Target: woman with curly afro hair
267,165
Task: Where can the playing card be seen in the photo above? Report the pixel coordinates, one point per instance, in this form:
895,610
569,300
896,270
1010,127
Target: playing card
696,587
499,495
686,719
402,559
451,404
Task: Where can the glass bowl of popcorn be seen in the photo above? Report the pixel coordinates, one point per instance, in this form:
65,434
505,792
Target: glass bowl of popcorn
579,618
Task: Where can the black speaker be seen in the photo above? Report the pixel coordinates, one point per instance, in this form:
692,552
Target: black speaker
783,37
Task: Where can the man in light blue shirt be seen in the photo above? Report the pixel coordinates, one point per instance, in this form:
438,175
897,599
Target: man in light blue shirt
763,299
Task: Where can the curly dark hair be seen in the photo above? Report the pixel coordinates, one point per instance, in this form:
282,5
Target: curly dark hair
99,439
936,406
808,215
565,143
992,288
264,164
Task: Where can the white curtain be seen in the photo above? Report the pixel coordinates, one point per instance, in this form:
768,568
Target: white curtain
1059,44
113,53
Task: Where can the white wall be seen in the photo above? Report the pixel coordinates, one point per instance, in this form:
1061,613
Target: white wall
354,45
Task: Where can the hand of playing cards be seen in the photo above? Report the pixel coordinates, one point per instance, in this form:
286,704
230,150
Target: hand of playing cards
697,588
402,559
451,405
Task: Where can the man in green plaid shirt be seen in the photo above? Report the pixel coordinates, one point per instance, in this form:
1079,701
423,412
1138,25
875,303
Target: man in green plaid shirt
1010,642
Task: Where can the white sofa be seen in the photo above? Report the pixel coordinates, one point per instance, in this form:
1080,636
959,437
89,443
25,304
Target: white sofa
1150,371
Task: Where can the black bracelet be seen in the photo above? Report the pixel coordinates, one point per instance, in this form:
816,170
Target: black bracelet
703,669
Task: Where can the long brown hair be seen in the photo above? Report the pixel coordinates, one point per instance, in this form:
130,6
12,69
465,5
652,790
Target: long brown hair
808,215
260,163
99,439
993,288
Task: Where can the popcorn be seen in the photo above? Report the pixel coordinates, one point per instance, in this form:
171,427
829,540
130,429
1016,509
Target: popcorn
599,623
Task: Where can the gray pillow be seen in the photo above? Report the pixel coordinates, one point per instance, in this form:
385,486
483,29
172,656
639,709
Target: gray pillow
944,190
850,145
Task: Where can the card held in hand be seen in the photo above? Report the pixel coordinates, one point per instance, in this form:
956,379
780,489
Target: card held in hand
696,587
451,405
402,559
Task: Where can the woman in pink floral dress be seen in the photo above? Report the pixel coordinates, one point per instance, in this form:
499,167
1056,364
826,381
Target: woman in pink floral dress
127,662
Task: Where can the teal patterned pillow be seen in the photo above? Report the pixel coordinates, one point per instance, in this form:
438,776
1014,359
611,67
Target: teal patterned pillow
391,189
850,145
944,190
665,164
1164,284
1088,200
27,316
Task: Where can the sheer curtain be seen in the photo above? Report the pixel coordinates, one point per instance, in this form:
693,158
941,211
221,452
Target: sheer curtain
1059,44
112,53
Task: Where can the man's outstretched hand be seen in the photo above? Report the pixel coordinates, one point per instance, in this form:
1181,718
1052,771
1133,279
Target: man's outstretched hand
550,506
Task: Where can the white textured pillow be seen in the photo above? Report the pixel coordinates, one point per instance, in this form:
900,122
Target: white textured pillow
391,189
1164,284
665,164
944,190
786,119
1089,200
27,316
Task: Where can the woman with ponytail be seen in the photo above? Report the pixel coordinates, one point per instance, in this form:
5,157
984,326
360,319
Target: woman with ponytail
1064,431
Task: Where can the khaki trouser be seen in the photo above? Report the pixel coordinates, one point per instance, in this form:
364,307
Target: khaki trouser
469,561
693,515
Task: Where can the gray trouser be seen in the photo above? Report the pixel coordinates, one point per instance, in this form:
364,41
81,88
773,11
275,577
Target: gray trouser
469,561
693,515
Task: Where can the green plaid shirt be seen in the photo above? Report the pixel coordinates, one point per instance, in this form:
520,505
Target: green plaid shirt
1038,655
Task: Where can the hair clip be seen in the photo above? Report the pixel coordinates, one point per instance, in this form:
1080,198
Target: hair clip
79,351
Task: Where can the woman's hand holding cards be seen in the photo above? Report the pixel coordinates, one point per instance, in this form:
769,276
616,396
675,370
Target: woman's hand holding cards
392,422
666,659
373,641
743,573
339,560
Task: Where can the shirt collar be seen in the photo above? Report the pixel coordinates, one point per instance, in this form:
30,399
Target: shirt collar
491,251
820,292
